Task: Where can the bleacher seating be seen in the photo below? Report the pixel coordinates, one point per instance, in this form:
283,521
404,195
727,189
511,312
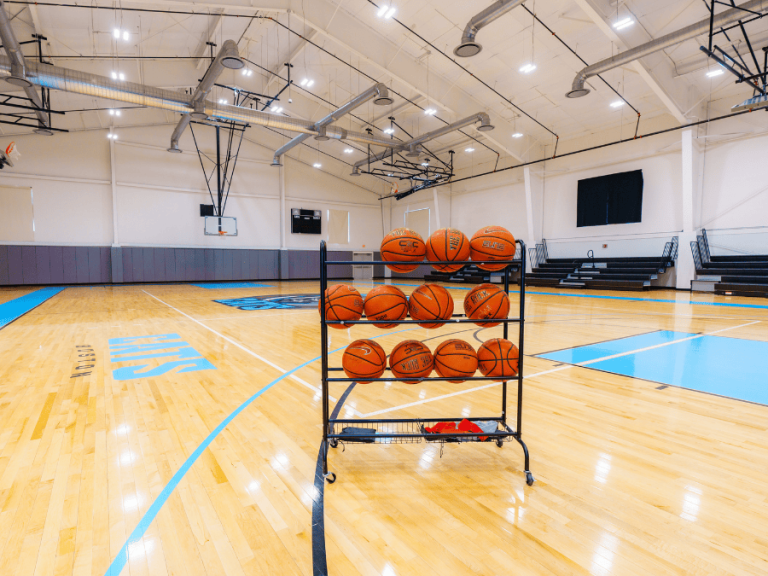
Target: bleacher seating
469,274
730,275
599,273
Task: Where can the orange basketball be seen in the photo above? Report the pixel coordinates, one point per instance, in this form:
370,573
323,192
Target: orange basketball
364,359
492,243
411,358
455,358
498,358
385,303
447,244
430,302
342,302
486,301
402,245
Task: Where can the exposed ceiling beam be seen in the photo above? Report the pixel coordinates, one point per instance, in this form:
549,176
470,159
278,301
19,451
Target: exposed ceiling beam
291,58
204,51
402,105
588,6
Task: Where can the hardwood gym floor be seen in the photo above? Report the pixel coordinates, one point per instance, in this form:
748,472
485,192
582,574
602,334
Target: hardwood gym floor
632,476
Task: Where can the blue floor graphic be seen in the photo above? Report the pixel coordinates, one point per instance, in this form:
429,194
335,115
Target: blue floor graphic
731,367
224,285
16,308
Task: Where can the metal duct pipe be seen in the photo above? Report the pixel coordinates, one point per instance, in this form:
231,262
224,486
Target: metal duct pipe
379,91
481,117
228,57
468,46
18,75
97,86
689,32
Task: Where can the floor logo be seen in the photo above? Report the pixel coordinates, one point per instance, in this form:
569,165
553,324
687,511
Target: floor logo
156,346
287,302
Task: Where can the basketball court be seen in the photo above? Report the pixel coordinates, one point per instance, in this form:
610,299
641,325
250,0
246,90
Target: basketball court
190,184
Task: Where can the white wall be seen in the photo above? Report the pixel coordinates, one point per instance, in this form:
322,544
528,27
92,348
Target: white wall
158,193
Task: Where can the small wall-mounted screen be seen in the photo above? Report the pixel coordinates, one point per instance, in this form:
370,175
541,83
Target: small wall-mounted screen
306,221
610,199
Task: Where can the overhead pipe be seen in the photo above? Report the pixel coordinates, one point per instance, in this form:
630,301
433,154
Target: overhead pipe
469,46
87,84
227,58
689,32
18,72
378,93
482,117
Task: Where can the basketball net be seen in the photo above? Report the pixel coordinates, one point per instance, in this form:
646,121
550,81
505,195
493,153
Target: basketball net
12,152
394,190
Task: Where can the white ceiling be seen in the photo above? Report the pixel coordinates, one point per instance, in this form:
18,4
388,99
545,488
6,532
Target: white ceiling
360,48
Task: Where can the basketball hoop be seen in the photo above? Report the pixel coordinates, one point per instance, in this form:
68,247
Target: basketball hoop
222,232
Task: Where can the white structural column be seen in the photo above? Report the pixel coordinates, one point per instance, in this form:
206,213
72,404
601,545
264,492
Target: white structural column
283,214
686,270
115,234
437,209
533,191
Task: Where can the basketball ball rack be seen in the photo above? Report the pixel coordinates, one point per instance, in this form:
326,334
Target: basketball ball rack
412,430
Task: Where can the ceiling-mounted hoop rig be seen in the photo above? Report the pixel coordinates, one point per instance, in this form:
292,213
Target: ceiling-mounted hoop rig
747,67
422,174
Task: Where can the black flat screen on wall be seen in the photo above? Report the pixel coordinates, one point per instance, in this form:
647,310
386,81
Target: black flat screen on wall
611,199
305,221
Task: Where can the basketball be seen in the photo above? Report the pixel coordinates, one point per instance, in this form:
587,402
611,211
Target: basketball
411,358
498,358
486,301
342,302
455,358
364,359
447,244
430,302
402,245
385,303
492,243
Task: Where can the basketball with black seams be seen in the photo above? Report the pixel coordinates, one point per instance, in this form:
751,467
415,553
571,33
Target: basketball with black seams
411,359
486,301
364,359
447,244
498,358
342,303
401,246
430,302
455,359
385,303
492,243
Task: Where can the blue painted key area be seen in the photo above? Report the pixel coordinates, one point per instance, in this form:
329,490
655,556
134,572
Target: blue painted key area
16,308
731,367
224,285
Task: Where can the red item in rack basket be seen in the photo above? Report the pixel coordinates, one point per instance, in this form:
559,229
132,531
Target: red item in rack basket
465,426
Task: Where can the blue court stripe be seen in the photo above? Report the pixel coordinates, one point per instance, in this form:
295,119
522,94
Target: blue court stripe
16,308
121,559
571,295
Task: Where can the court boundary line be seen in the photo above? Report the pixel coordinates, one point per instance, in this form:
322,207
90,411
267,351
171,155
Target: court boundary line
48,292
584,364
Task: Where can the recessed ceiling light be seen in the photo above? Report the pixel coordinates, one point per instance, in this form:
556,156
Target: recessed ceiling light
386,11
389,130
517,135
303,82
222,101
277,109
348,151
430,111
528,68
126,36
713,73
317,165
382,10
111,112
118,76
623,23
425,163
617,104
390,12
116,33
247,72
469,150
112,136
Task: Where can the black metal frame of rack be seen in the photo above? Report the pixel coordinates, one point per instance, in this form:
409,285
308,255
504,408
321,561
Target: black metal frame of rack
411,430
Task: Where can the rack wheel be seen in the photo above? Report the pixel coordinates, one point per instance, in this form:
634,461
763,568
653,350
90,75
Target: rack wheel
331,478
529,478
333,442
500,443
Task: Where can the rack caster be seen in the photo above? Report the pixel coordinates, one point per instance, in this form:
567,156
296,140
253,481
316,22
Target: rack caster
529,479
331,477
334,443
500,443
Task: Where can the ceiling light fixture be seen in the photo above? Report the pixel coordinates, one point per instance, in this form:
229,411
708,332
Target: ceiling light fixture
303,82
247,72
118,76
277,109
348,151
116,33
517,135
430,111
528,68
713,73
617,104
425,163
112,136
317,165
389,130
469,150
222,101
623,23
126,36
386,11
